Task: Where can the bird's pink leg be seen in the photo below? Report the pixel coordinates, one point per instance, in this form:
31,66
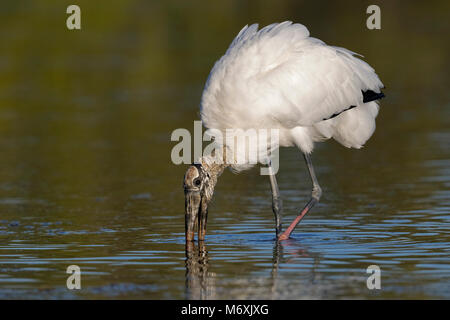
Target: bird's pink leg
287,233
315,196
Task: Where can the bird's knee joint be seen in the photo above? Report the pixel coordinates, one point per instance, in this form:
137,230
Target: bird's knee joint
277,207
316,192
277,204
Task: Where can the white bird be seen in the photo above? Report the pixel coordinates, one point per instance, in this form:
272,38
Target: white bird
281,78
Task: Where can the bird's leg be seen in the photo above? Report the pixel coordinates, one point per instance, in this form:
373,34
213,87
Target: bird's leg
315,196
277,205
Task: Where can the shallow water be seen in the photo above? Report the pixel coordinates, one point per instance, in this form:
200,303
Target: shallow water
86,177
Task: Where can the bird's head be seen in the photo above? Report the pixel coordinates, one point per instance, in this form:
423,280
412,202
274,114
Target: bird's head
199,182
197,193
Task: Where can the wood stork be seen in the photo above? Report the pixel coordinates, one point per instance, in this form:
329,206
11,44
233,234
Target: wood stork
280,77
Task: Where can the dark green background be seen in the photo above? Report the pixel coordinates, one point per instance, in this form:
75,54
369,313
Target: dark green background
86,176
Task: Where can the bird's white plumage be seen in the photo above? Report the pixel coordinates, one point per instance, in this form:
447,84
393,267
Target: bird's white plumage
280,77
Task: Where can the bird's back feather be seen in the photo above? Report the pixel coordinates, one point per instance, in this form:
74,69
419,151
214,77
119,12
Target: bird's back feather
280,77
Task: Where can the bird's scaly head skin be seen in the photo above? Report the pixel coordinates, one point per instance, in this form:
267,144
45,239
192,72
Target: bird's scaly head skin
196,183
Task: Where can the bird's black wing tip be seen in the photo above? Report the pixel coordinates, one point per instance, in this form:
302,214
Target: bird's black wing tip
370,95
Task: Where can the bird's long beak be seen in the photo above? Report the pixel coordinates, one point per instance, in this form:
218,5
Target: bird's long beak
192,207
202,219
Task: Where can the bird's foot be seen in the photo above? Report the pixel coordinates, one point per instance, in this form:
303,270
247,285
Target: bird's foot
283,236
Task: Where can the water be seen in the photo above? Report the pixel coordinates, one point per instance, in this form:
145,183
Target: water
86,177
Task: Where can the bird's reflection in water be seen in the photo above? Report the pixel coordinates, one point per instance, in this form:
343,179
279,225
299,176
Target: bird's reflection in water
277,254
200,283
287,252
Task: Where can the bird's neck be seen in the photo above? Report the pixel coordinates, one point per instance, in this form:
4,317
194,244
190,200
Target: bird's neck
215,162
214,165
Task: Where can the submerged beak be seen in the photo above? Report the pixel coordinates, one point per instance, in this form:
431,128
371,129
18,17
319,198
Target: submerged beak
193,202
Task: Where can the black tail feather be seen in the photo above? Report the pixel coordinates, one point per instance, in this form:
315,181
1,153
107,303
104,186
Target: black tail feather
370,95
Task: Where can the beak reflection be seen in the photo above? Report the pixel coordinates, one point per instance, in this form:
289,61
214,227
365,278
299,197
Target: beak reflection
200,283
